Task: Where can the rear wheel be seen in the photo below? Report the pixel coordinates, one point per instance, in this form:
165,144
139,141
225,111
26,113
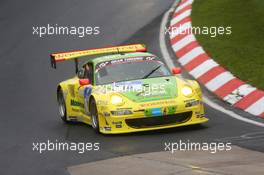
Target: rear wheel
62,106
94,116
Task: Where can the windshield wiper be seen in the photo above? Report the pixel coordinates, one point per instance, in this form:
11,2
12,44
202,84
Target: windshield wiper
151,72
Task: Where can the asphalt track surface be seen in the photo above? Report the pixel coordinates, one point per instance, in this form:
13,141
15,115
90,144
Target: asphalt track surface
28,100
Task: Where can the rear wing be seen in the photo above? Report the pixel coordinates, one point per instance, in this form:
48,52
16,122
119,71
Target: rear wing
74,55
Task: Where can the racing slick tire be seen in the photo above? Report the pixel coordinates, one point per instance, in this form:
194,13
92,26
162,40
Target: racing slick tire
62,106
94,116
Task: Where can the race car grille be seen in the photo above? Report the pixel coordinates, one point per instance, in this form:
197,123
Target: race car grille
159,121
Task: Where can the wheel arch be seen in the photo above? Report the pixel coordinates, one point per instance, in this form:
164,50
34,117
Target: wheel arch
90,100
64,91
59,88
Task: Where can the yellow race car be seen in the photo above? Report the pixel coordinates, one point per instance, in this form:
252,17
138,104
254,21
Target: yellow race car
125,89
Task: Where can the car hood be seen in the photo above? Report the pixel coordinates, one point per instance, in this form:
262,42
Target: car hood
150,89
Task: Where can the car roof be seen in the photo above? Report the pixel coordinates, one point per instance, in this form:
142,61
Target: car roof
96,60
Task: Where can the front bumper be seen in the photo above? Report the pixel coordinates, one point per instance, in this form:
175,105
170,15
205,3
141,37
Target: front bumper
140,122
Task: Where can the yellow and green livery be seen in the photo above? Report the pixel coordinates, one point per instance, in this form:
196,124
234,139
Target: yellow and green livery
125,89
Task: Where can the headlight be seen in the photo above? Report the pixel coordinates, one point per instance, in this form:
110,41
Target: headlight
116,100
187,91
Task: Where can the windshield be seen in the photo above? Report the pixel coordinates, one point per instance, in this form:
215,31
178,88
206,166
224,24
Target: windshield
129,69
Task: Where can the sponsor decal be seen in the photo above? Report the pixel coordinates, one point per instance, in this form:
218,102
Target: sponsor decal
86,95
166,102
71,90
121,112
107,128
122,108
156,112
124,60
160,111
199,114
171,110
73,118
192,102
76,103
75,110
102,102
117,124
87,92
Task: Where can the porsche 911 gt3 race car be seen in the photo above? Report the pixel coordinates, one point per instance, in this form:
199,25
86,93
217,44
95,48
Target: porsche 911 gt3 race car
125,89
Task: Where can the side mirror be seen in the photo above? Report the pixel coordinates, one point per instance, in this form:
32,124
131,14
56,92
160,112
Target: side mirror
83,82
176,70
80,73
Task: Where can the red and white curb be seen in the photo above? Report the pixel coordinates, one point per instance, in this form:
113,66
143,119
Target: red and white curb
199,64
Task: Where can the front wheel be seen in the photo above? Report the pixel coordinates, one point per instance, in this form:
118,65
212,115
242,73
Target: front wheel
94,116
62,106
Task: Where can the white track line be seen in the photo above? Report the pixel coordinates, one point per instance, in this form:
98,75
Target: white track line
169,62
230,113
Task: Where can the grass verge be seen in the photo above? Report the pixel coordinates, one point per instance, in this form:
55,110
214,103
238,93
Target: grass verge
241,52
